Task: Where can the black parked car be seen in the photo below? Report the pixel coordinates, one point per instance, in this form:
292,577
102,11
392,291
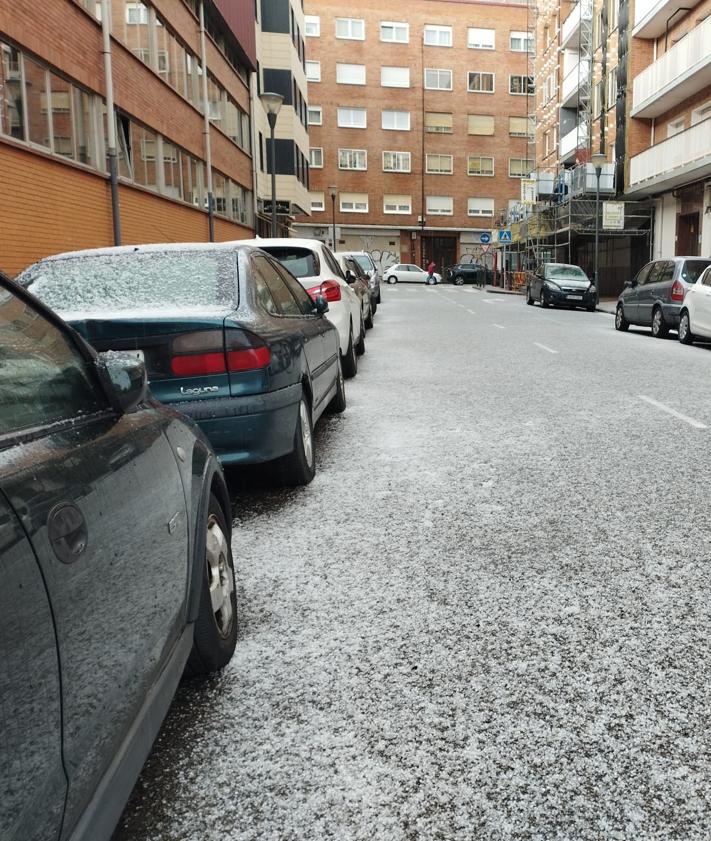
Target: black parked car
561,285
654,297
468,273
116,573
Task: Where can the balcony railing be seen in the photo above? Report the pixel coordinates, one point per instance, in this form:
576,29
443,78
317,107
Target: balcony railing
673,159
571,84
569,142
682,71
651,16
571,27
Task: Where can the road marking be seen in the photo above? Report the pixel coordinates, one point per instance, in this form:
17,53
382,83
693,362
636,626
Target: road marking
471,311
696,424
500,326
490,302
545,347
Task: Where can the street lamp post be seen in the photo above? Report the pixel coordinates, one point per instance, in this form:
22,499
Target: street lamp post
333,191
421,221
598,159
272,103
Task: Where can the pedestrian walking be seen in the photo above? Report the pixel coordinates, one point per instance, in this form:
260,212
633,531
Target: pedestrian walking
430,272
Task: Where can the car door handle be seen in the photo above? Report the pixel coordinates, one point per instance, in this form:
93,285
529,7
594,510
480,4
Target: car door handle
67,531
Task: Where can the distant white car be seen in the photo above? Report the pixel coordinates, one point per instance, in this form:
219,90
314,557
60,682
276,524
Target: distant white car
695,315
312,263
408,273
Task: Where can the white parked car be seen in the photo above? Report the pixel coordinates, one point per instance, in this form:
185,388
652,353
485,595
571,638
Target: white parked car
312,263
695,315
408,273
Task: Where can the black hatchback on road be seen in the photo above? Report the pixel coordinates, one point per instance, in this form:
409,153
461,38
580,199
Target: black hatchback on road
561,285
653,298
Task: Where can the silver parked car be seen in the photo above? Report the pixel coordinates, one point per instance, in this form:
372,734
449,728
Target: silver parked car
371,268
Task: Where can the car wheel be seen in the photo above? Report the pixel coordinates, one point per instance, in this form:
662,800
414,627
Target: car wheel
621,322
350,360
542,299
338,401
686,337
392,279
660,328
299,466
591,308
458,280
360,344
529,297
215,634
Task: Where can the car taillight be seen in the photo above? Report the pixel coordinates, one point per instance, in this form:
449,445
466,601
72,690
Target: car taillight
678,291
330,289
206,352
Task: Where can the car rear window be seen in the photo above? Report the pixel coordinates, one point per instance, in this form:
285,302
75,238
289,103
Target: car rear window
693,269
364,262
301,262
148,280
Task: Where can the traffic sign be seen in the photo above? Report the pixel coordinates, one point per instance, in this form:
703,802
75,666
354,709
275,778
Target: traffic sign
485,238
505,235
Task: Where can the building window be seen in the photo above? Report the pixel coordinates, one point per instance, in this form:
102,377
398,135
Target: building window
350,74
354,202
521,85
481,39
350,28
482,124
613,12
396,120
313,71
316,157
396,161
395,32
478,82
352,159
521,42
438,123
312,26
395,77
597,99
522,126
352,118
436,164
397,204
438,36
520,167
440,205
438,80
317,201
136,13
612,87
480,207
597,30
315,115
698,115
546,143
675,127
480,165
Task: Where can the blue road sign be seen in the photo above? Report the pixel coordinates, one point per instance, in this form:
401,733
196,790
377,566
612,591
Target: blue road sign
505,236
485,238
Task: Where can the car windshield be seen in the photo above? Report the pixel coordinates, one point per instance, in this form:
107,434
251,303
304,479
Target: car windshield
693,269
566,271
152,280
301,262
364,262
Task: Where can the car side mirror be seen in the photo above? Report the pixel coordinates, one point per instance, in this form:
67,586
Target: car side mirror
320,305
350,277
125,378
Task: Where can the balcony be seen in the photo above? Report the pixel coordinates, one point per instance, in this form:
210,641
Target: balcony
571,84
681,72
570,31
651,16
674,161
569,143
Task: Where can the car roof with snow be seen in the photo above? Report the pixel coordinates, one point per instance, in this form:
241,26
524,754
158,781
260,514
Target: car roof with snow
154,247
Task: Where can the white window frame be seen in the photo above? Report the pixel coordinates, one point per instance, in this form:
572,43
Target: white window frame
439,129
313,149
384,84
315,22
393,128
353,209
440,171
477,42
676,127
703,112
313,65
406,159
491,133
526,39
531,130
341,111
314,108
482,174
398,208
530,92
438,71
314,203
611,87
482,73
395,26
433,211
343,70
354,153
525,174
481,212
438,31
350,26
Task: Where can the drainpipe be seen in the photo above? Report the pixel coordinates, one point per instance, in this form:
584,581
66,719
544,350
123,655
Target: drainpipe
206,125
111,121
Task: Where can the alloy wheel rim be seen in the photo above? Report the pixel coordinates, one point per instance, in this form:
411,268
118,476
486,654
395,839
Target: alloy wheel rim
618,317
220,578
657,322
684,326
306,437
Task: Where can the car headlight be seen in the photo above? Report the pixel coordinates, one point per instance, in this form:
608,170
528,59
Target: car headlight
591,289
552,286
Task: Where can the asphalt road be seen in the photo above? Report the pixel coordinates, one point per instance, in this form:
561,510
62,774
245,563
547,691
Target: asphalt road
487,618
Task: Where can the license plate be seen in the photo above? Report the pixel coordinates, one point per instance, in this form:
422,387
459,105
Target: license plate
574,297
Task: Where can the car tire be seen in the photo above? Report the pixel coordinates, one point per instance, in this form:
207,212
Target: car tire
392,279
360,344
621,322
338,401
660,328
542,300
299,466
215,632
458,280
529,297
686,337
369,320
349,360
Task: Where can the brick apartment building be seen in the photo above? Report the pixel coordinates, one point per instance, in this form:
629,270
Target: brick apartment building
53,138
419,117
